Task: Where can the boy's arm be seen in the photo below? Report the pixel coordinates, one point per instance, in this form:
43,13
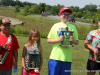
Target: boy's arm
41,57
61,38
75,42
16,58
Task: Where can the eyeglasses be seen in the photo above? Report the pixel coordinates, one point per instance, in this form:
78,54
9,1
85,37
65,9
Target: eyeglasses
5,25
66,14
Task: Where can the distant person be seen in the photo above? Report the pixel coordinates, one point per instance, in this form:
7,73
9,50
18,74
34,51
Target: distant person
91,43
7,41
61,57
29,48
93,22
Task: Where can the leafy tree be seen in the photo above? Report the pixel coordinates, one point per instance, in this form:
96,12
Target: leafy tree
81,10
41,7
35,9
87,14
18,3
76,9
58,8
47,8
17,8
91,8
54,10
74,14
79,14
71,7
31,10
23,12
27,7
6,2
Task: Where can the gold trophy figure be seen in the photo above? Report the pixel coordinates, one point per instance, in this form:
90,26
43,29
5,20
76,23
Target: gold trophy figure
67,33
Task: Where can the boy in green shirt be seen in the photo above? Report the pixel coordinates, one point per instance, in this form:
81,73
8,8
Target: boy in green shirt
61,57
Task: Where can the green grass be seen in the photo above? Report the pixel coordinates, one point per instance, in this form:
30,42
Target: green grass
7,8
80,57
84,20
42,18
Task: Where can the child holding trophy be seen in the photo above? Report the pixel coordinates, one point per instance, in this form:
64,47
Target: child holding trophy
61,55
92,43
34,54
8,48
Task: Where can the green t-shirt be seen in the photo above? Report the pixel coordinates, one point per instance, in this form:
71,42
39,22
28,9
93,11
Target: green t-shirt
58,52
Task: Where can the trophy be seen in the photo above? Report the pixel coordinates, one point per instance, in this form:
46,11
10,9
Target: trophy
67,32
34,58
98,56
2,59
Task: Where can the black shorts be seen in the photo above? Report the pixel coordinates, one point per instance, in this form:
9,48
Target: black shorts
93,65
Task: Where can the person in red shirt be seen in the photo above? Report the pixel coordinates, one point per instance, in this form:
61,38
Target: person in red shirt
9,42
93,22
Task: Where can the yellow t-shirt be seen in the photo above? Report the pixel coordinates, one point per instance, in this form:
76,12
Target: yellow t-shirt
61,53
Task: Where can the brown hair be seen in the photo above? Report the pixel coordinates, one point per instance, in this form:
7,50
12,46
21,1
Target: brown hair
36,32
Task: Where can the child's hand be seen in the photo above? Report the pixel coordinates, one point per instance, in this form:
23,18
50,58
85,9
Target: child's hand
40,68
15,65
25,68
71,38
95,52
61,38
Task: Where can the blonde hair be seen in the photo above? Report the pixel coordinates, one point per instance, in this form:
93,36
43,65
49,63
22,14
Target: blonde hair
32,32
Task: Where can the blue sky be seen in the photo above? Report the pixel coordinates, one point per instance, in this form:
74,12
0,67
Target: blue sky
67,3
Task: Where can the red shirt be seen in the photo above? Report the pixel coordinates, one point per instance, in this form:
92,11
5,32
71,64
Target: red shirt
93,22
12,45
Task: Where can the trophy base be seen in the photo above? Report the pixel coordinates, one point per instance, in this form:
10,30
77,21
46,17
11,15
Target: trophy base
33,61
32,68
66,45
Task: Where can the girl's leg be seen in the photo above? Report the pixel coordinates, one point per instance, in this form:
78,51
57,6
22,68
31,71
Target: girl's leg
25,72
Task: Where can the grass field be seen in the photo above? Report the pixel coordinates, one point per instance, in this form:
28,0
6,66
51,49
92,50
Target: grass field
80,56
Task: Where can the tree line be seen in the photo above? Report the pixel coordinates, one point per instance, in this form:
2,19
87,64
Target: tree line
90,11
